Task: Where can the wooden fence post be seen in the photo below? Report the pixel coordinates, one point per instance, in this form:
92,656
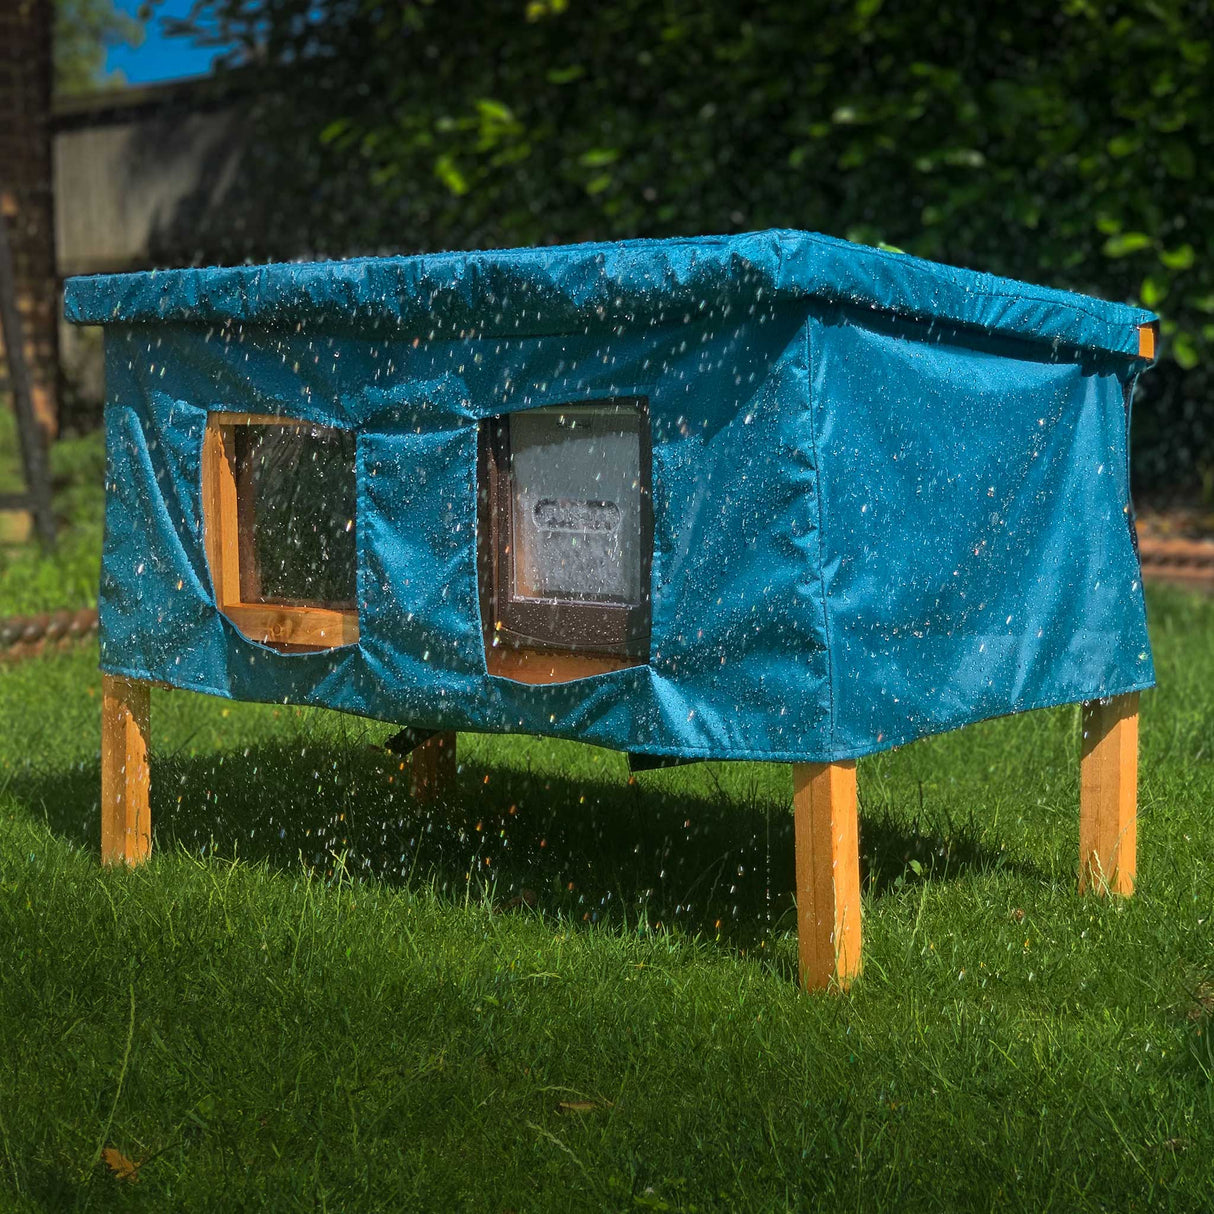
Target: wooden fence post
126,830
1108,795
828,873
29,433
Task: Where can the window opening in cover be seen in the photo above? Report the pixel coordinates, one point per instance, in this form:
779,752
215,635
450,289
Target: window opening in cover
279,506
566,539
295,495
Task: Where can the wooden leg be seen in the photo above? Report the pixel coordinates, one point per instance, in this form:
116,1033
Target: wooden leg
1108,795
828,873
126,830
432,768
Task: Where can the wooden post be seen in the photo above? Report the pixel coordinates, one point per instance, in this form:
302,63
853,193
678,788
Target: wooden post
126,831
828,873
29,433
1108,795
432,768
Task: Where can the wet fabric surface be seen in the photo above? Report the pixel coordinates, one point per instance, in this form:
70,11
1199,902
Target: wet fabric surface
889,497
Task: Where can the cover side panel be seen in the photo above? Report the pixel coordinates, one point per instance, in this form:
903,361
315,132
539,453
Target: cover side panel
977,556
737,663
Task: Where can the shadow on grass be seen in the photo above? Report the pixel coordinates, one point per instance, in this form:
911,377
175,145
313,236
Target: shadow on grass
669,849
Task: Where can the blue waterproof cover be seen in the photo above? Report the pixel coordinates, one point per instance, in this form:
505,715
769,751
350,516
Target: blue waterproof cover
890,497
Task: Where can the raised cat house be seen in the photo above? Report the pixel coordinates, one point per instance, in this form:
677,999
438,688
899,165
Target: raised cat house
771,496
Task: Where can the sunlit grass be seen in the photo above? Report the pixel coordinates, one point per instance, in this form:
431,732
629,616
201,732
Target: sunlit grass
33,581
570,991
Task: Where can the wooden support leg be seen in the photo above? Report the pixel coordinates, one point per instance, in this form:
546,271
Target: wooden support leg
1108,795
828,873
126,830
432,768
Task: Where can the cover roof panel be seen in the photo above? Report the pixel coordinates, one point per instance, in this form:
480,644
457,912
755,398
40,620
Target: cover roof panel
560,288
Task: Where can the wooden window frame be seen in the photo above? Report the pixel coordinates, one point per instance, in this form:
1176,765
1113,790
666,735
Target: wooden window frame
227,538
554,641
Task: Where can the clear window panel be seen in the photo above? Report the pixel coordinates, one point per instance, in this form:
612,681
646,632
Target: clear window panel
575,483
296,495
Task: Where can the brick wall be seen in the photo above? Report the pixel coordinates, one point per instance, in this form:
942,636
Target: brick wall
26,187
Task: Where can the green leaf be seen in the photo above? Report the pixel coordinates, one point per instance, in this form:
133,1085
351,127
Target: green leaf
384,174
494,111
1184,351
1152,292
565,75
1169,123
513,153
968,158
1181,258
1179,160
1028,212
863,234
537,10
446,171
1196,53
1163,85
596,185
1124,145
1126,243
598,158
335,130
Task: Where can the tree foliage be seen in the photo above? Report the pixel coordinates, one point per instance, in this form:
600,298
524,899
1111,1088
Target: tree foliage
1068,144
85,30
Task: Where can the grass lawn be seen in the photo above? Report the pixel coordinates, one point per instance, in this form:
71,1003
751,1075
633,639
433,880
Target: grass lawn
319,996
32,582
